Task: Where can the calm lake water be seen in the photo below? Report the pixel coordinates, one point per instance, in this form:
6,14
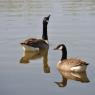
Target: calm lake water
72,22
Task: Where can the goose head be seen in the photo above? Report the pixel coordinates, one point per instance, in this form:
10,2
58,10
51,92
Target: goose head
63,48
60,47
46,19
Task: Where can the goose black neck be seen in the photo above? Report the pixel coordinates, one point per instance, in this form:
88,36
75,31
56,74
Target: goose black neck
64,54
45,36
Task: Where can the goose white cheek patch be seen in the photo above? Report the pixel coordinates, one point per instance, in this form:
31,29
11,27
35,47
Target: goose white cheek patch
60,48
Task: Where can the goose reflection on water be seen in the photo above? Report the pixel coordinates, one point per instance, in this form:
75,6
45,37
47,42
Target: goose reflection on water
34,55
82,77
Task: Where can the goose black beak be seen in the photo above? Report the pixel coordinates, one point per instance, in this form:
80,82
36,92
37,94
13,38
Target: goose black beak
47,18
55,49
22,43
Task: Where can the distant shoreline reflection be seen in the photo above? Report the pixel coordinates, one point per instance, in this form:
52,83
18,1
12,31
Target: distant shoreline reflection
82,77
34,55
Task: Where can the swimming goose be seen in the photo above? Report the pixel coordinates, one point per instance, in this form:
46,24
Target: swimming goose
71,64
33,43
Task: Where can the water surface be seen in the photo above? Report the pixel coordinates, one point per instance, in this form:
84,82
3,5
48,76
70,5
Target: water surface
72,22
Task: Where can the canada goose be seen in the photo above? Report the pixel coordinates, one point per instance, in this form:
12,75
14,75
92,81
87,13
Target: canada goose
77,76
72,64
33,43
34,55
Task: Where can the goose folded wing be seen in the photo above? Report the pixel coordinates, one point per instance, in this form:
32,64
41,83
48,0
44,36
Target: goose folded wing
74,62
37,43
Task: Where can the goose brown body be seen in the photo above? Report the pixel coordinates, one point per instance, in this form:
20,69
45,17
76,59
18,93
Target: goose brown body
72,64
36,43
